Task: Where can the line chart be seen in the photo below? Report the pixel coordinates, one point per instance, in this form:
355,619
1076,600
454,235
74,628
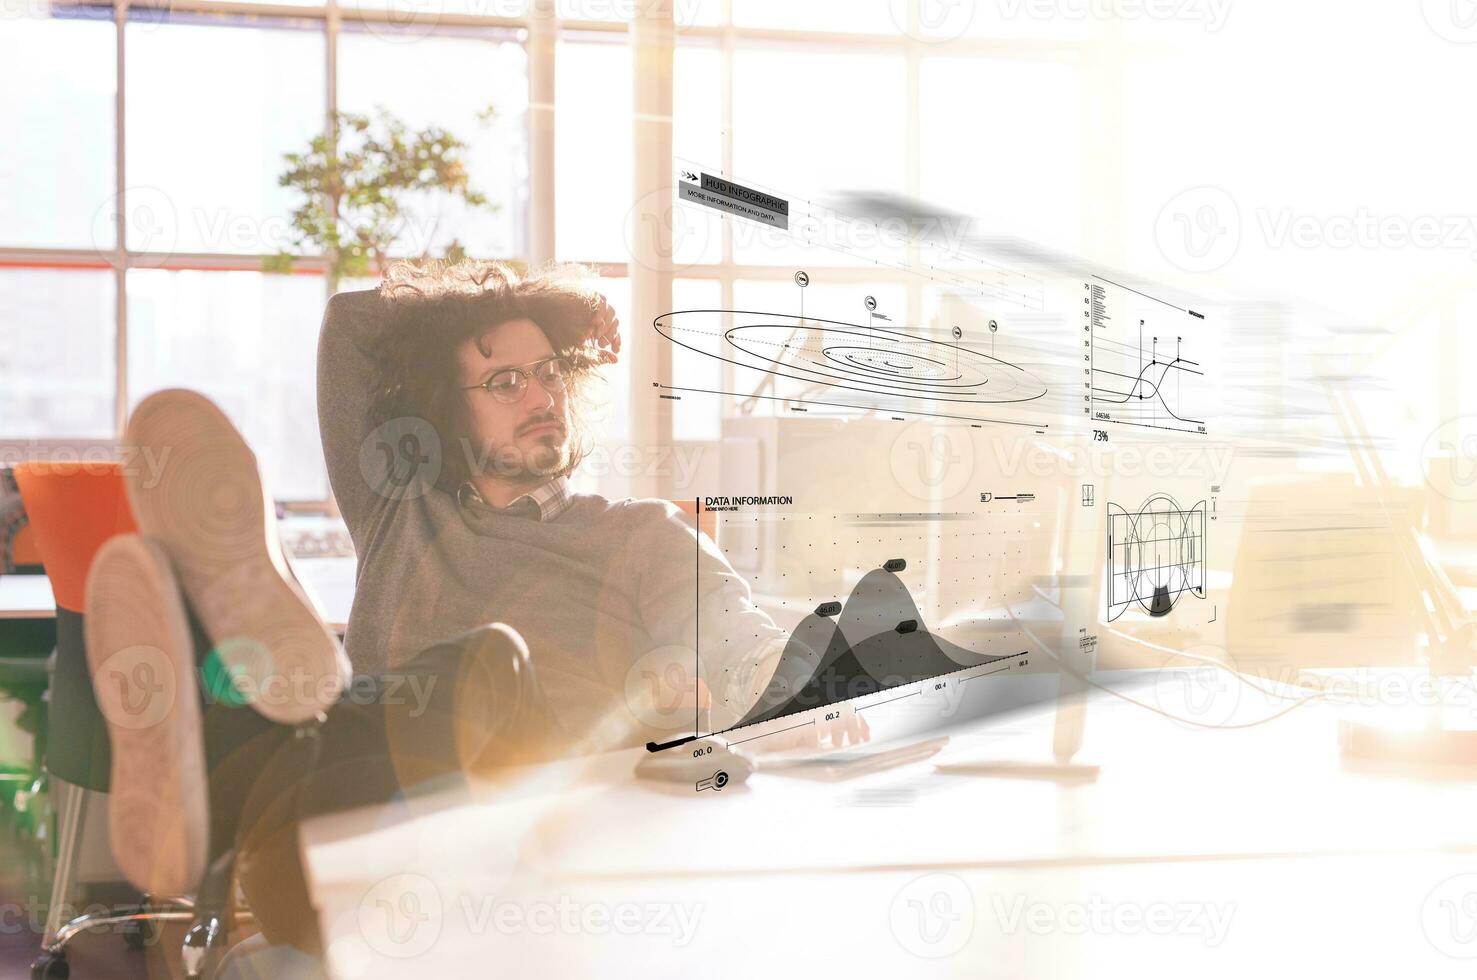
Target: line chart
1141,372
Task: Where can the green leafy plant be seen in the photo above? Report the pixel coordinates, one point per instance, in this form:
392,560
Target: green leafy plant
359,182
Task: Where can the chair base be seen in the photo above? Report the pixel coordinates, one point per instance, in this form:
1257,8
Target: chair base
135,920
204,943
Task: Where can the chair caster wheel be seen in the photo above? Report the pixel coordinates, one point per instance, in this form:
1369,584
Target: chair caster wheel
202,946
140,934
49,966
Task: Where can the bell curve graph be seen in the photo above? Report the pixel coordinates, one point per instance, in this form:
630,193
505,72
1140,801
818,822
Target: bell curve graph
1143,370
871,642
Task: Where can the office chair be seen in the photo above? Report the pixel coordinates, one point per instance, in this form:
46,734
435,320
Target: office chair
73,509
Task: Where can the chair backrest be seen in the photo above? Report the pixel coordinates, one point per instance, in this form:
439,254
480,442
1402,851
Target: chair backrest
72,509
23,550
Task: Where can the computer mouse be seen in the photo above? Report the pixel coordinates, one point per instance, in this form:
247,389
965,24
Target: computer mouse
705,763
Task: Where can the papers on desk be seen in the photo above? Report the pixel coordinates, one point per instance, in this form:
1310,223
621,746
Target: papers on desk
848,762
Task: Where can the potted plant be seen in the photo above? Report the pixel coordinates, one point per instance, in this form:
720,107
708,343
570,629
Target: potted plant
359,182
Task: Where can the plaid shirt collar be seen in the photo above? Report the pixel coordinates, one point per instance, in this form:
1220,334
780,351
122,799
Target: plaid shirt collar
547,501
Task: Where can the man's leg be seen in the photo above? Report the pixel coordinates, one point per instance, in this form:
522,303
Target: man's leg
465,708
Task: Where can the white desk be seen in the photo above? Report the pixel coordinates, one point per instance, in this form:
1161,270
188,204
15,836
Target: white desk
330,583
26,597
1321,870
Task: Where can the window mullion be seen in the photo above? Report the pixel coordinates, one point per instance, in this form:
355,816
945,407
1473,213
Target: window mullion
120,226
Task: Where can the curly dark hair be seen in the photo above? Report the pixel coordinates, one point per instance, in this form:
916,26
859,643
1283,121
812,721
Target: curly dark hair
432,307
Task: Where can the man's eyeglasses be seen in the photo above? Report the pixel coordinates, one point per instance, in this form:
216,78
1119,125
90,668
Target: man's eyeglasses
509,384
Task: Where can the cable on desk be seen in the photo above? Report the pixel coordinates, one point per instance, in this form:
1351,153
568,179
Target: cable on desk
1160,711
1243,678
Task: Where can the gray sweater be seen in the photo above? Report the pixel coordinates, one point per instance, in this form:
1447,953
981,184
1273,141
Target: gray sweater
605,594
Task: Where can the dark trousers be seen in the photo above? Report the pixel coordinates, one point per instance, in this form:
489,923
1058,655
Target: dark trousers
465,707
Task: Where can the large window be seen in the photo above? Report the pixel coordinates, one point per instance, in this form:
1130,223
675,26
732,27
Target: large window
823,96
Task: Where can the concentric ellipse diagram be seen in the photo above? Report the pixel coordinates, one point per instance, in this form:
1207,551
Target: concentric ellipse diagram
874,367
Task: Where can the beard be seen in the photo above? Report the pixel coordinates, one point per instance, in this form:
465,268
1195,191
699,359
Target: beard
547,457
544,457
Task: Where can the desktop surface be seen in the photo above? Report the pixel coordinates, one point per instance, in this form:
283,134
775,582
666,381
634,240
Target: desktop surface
1264,827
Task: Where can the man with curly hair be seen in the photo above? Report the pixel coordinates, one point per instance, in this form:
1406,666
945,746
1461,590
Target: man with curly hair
452,404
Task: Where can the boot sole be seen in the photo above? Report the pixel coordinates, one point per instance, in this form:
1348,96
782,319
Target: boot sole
143,674
209,510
